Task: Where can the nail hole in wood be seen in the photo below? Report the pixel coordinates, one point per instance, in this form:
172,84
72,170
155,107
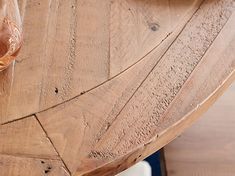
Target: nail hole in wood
56,90
47,171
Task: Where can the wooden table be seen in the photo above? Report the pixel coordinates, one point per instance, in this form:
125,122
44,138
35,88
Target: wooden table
100,85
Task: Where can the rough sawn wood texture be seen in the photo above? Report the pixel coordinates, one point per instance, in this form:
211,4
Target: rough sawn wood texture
100,85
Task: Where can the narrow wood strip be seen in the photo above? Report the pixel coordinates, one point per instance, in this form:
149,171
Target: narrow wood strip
6,81
198,87
77,51
15,166
22,8
26,88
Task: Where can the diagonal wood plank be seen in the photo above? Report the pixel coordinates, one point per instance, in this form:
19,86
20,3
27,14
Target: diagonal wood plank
25,138
77,51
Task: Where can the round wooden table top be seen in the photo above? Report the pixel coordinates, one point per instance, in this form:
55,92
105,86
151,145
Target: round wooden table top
100,85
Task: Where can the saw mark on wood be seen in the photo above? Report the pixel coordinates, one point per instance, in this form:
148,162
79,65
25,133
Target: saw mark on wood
66,88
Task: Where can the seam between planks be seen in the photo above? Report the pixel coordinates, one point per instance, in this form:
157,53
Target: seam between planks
53,145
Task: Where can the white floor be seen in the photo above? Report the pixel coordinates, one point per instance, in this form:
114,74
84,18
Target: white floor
140,169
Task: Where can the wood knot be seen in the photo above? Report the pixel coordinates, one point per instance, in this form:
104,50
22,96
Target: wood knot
154,26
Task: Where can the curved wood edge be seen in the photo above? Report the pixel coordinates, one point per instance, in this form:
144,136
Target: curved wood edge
161,139
131,156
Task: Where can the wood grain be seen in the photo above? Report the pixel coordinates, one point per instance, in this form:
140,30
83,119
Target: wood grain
141,28
97,108
25,91
25,138
18,166
106,88
6,81
207,148
75,47
109,141
25,149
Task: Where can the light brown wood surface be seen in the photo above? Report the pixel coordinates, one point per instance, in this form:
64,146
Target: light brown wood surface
207,148
100,85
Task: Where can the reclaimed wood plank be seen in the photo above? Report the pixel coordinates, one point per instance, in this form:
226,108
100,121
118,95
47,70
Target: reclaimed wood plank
124,114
